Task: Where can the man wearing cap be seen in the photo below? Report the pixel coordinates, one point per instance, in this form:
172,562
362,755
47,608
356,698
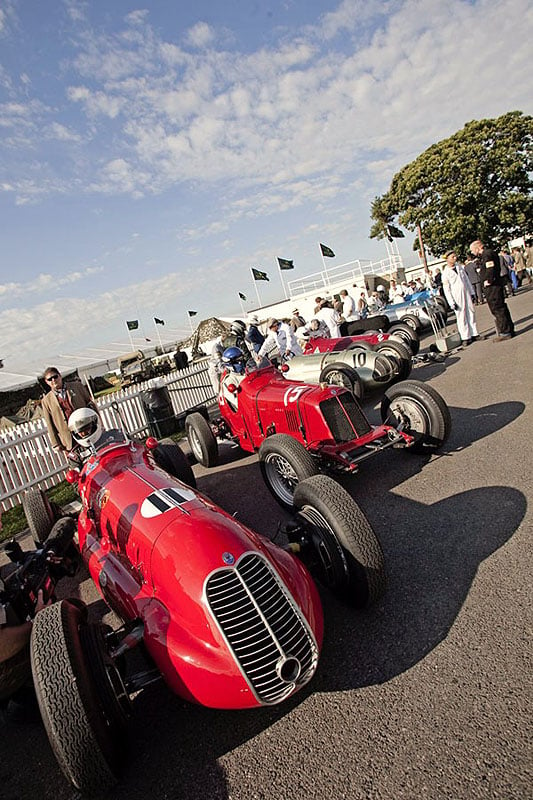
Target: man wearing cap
349,307
280,337
297,320
58,405
253,335
458,292
493,283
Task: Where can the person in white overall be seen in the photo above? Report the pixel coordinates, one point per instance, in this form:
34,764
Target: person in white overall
458,292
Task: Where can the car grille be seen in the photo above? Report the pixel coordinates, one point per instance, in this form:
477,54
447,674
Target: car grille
263,627
344,417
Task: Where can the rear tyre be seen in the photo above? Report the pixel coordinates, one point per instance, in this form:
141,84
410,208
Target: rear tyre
342,375
75,685
406,334
401,354
344,552
284,463
201,439
420,411
413,321
170,457
39,513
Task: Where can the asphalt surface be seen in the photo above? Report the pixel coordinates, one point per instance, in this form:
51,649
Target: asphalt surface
426,695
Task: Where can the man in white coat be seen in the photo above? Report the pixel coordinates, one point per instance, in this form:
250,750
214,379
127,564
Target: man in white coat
280,337
458,292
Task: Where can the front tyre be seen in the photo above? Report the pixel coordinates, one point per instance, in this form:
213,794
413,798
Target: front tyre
171,458
77,690
406,334
284,463
342,375
419,410
343,552
201,439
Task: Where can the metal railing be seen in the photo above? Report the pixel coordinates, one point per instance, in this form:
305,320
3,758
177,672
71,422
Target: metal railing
27,459
348,273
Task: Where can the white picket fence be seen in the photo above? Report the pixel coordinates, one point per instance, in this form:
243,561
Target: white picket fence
27,460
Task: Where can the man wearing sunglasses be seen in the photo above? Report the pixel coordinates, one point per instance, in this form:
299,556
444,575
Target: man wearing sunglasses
58,405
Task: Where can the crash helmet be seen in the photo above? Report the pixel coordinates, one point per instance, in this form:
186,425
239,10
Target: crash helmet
85,426
234,358
380,288
238,327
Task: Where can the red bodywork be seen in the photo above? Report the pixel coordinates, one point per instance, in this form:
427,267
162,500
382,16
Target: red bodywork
322,345
152,555
263,403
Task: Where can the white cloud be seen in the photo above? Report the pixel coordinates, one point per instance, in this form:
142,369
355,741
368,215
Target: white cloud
43,282
200,35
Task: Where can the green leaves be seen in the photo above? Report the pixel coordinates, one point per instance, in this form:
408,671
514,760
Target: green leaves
475,184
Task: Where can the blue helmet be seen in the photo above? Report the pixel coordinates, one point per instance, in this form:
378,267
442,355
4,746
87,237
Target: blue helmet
233,357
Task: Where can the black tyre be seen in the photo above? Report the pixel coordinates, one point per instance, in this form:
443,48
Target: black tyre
169,456
343,551
201,439
401,354
407,334
442,305
284,464
339,374
412,320
39,513
421,411
76,691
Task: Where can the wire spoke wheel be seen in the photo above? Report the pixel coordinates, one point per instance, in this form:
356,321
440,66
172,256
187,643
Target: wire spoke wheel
281,476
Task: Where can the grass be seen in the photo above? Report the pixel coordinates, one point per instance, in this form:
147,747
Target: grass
14,520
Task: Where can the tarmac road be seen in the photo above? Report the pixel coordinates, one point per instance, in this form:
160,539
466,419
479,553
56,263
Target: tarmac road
427,695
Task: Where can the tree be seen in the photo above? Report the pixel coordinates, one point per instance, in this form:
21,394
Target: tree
478,183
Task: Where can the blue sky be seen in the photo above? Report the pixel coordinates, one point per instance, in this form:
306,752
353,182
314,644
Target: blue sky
151,155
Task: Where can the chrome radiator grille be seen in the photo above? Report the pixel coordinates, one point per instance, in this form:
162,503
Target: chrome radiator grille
344,417
264,628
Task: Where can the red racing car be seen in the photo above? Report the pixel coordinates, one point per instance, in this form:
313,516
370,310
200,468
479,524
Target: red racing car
224,616
300,429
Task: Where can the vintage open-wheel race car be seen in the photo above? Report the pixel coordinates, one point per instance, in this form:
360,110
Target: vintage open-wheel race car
299,429
224,616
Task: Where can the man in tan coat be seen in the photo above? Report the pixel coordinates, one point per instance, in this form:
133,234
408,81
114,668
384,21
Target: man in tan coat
58,405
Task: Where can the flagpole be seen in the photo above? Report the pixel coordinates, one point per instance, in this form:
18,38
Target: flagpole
281,279
324,268
242,307
256,289
129,336
190,323
158,334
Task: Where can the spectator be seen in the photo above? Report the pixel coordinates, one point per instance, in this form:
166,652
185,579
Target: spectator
492,282
332,319
529,259
458,292
396,292
297,321
315,329
58,404
318,303
473,277
519,265
362,306
280,336
253,335
348,307
507,273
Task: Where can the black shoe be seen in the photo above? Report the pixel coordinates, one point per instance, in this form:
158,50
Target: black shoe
479,338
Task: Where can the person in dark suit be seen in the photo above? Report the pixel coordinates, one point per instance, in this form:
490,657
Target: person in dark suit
493,289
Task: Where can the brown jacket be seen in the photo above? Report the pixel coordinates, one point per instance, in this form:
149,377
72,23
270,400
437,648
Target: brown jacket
58,432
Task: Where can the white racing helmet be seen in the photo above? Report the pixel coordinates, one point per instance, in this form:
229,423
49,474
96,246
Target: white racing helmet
380,288
85,426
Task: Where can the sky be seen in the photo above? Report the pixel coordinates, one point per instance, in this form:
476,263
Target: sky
151,155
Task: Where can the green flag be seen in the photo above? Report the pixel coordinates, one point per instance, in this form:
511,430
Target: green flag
192,313
394,232
259,276
132,324
159,321
242,296
284,263
327,251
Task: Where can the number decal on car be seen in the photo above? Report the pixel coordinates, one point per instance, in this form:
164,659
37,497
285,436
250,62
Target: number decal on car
292,394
